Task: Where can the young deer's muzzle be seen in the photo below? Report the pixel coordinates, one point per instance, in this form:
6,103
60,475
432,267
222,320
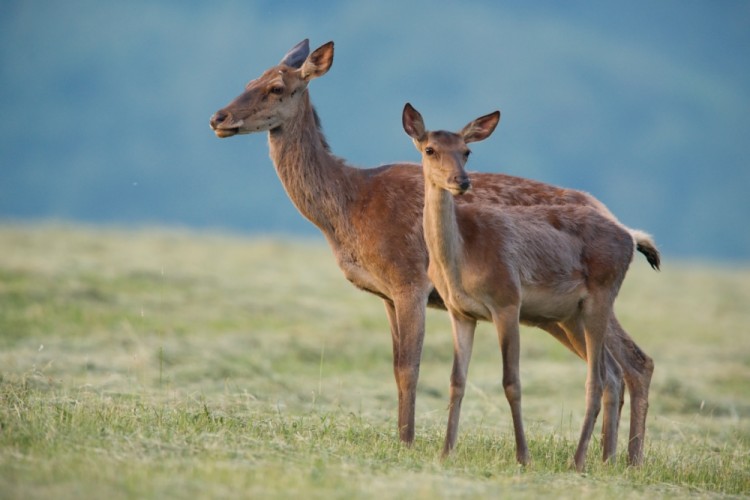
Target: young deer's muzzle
462,182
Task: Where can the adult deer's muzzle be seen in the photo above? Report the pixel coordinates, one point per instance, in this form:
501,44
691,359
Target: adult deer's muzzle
223,125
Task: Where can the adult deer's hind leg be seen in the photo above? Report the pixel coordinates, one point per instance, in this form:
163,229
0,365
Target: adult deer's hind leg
637,369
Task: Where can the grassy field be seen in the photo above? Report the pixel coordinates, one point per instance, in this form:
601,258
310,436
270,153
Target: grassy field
167,364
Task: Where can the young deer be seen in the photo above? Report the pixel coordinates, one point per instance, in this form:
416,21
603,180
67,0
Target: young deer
372,220
509,264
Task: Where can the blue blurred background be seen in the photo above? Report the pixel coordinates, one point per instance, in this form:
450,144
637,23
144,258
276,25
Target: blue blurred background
105,105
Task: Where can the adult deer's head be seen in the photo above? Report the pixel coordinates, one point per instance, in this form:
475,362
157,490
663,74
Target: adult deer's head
274,97
444,154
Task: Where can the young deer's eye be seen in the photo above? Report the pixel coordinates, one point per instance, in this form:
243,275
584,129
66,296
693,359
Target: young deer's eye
429,151
276,89
467,154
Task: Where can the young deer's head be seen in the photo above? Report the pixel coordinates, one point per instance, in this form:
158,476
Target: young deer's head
444,154
273,98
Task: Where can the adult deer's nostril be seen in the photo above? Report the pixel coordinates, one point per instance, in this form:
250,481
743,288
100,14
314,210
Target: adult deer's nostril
463,182
218,118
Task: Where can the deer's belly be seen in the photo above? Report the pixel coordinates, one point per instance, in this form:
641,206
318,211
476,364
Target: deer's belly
543,305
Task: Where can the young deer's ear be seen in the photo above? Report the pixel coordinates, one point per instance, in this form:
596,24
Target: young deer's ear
297,54
481,128
413,123
318,63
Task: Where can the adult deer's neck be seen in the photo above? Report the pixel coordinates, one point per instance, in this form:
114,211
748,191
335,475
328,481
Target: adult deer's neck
441,234
319,184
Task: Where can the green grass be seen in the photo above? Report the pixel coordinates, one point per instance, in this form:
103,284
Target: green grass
168,364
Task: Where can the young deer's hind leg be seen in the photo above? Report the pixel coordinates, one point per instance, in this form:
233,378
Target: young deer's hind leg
595,317
611,405
573,337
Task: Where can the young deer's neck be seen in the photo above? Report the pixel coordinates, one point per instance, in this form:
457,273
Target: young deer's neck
442,237
318,183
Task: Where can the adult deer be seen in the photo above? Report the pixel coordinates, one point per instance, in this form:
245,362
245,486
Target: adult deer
514,263
372,220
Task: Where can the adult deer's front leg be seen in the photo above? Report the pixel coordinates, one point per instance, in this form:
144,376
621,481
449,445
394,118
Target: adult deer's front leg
637,369
406,315
463,342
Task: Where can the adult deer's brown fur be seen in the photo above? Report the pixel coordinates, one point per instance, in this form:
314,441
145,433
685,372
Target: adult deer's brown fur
372,218
507,264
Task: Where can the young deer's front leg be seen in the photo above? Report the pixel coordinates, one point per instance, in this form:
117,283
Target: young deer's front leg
463,342
506,323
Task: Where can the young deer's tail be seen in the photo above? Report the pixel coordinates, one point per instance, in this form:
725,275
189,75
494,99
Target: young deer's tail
644,243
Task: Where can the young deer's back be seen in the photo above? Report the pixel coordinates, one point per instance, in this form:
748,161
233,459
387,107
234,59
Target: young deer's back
545,256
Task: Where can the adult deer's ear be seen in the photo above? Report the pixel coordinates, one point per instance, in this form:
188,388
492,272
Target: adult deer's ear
481,128
413,123
297,54
318,63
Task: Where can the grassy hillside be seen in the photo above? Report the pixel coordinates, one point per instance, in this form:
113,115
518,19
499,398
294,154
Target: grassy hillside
153,364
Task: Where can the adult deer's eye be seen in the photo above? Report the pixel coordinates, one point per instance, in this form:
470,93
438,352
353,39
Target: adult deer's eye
429,151
467,154
277,89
